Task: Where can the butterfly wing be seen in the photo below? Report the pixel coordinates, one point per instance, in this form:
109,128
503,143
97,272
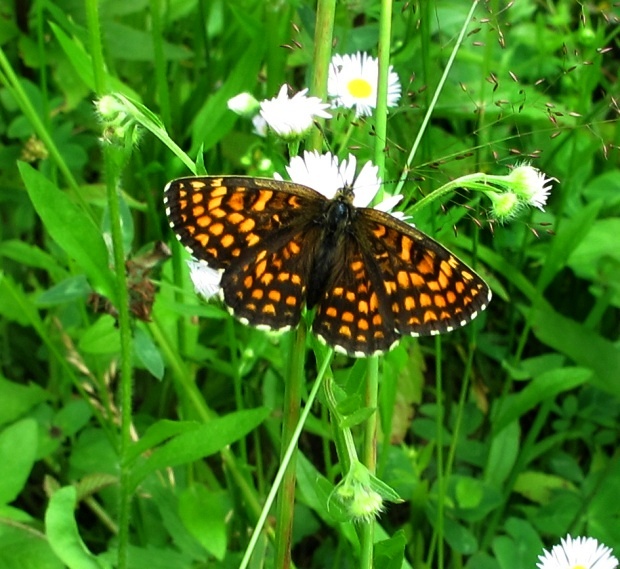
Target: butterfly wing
428,289
260,232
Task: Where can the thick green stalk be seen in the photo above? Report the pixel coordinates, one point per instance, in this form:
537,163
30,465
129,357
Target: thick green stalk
114,158
290,419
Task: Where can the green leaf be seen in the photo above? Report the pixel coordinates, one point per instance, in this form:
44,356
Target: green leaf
63,535
16,399
102,337
204,514
147,353
201,442
544,387
390,553
502,456
584,346
21,547
71,228
18,448
159,432
66,290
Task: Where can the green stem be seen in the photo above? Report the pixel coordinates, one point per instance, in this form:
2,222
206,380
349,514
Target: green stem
284,463
290,419
163,91
323,38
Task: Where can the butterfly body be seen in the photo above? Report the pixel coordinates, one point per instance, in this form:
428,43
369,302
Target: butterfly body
282,246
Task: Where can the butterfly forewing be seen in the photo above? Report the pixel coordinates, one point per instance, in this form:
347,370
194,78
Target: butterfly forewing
220,217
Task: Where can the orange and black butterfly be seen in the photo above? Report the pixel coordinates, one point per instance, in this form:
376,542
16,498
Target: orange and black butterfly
281,246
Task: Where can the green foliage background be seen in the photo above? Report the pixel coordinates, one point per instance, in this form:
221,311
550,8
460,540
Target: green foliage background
515,448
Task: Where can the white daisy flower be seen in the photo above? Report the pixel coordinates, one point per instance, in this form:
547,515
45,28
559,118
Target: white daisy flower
244,104
578,553
352,82
530,185
325,174
206,279
291,118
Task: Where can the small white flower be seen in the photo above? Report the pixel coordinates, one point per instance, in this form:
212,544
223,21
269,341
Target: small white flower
291,118
530,185
352,82
578,553
206,279
244,105
325,174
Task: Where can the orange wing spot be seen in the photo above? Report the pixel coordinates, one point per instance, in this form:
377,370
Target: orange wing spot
202,238
395,308
218,212
293,201
251,306
459,286
433,285
236,202
451,297
261,255
425,266
467,275
198,210
439,300
294,247
446,268
266,279
269,309
338,291
213,252
183,203
215,203
227,240
443,279
291,301
467,300
197,198
216,229
263,199
378,334
218,190
258,293
429,316
405,248
417,280
345,331
296,279
331,312
425,300
357,266
274,295
403,279
203,221
248,282
414,321
380,231
350,296
348,317
409,303
374,302
445,316
252,239
390,286
282,277
236,252
362,307
236,218
377,320
362,324
247,225
360,338
453,262
260,268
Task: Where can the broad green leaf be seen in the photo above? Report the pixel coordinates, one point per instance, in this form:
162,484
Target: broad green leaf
159,432
18,448
71,228
17,399
63,534
102,337
201,442
584,346
538,486
503,453
147,353
390,553
22,547
544,387
66,290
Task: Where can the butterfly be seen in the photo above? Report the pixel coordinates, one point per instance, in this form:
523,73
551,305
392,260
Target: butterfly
281,246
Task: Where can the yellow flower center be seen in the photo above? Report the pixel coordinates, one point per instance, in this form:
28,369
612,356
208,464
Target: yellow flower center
359,88
579,567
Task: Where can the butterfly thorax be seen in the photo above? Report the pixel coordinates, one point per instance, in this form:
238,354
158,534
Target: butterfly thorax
335,223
